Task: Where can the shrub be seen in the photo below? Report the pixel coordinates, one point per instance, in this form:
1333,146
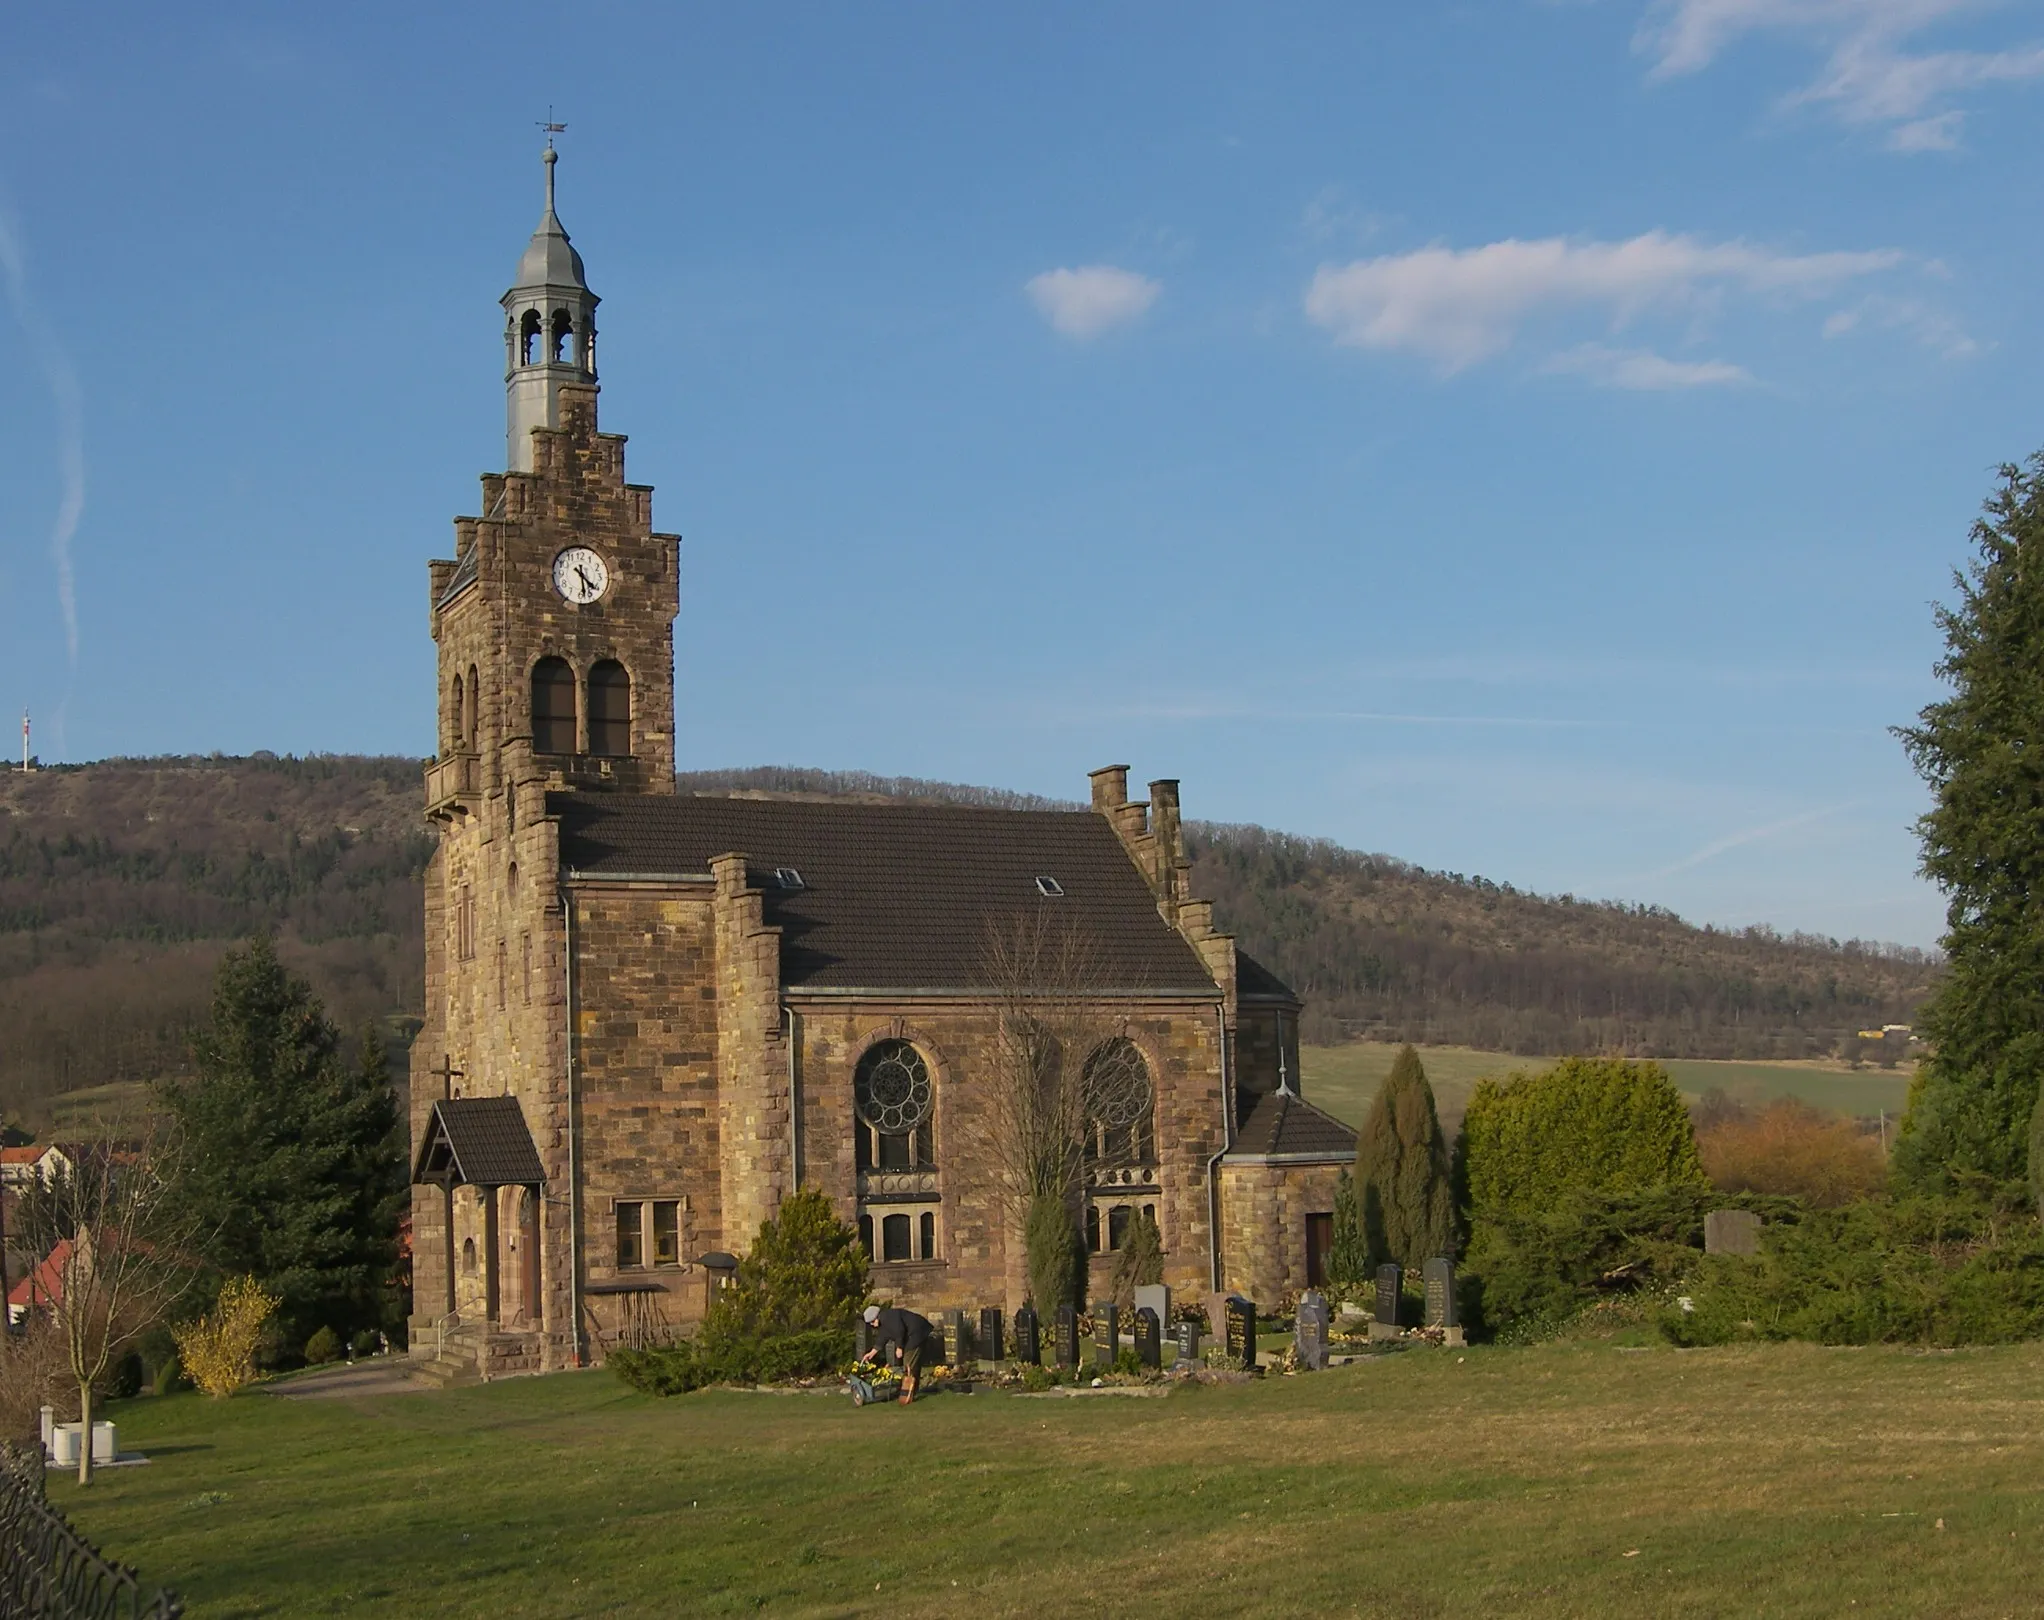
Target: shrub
1528,1273
1793,1149
218,1350
1052,1244
1931,1271
1037,1379
1587,1126
168,1375
1140,1261
1402,1172
788,1313
322,1347
364,1345
125,1377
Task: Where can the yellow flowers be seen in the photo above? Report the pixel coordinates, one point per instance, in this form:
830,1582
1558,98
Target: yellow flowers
217,1351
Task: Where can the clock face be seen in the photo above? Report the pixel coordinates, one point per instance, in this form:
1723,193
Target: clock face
580,576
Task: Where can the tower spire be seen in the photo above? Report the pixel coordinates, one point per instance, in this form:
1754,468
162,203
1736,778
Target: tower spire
550,324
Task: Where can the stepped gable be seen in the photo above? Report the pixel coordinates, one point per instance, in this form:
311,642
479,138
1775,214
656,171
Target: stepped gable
1283,1125
896,896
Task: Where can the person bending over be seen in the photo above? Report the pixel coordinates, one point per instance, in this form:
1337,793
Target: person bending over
904,1333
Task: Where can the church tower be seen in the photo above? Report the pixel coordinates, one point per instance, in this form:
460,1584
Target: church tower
554,627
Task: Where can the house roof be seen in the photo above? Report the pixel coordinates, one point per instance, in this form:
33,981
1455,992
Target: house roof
23,1155
482,1141
44,1284
895,896
1256,981
1283,1125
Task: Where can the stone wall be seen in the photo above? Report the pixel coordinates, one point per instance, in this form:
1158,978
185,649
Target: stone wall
1263,1223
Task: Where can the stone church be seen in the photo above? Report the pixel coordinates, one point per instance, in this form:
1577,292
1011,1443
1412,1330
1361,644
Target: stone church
652,1015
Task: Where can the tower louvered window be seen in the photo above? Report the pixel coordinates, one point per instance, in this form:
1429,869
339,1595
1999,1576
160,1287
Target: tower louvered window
553,707
610,710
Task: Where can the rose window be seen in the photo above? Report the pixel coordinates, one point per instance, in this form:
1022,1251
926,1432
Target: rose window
892,1088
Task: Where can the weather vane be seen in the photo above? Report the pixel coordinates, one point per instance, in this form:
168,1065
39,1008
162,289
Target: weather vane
552,129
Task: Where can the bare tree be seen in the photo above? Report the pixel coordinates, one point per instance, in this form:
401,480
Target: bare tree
1040,1104
114,1258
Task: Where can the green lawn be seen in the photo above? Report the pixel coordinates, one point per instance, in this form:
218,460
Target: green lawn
1563,1480
1343,1079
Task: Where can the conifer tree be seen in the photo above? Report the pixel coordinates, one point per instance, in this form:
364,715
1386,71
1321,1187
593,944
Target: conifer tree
1981,750
288,1164
1139,1262
1052,1245
1402,1172
1348,1255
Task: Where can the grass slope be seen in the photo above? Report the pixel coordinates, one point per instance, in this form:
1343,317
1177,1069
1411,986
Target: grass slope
1558,1481
1343,1079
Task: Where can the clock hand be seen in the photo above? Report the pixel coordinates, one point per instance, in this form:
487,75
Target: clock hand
582,574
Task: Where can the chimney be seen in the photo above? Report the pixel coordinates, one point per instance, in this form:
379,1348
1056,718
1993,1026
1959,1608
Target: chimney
1170,842
1110,786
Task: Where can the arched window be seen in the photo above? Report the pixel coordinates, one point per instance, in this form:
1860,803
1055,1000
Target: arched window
610,710
455,712
468,1255
468,715
528,338
892,1092
553,707
564,338
1120,1128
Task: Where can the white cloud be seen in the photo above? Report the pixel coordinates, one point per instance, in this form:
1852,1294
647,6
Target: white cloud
1643,369
1929,326
1874,72
1459,306
1085,302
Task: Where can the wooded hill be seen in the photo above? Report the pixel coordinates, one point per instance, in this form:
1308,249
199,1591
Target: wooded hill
122,881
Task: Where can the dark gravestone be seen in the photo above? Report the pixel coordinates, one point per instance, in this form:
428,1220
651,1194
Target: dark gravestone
1067,1337
991,1347
1242,1334
1440,1280
865,1337
1106,1334
1028,1341
1310,1325
1186,1335
1731,1231
1389,1282
1149,1337
957,1338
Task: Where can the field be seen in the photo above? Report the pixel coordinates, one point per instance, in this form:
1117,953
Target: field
1343,1079
1557,1481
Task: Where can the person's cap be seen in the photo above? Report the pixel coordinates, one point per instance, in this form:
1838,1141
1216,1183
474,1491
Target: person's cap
872,1313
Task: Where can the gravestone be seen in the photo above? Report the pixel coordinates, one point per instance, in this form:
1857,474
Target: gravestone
1309,1327
1384,1320
864,1341
991,1347
1155,1297
1028,1343
1149,1337
1217,1315
1241,1339
1442,1310
957,1338
1106,1334
1186,1335
1067,1337
1731,1231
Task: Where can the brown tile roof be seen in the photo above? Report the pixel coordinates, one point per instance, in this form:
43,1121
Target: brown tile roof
1252,978
894,896
479,1140
1283,1125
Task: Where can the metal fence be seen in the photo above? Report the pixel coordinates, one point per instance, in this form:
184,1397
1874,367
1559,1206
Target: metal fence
48,1571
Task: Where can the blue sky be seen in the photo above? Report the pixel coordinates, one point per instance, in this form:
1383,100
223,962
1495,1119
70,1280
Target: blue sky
1523,438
